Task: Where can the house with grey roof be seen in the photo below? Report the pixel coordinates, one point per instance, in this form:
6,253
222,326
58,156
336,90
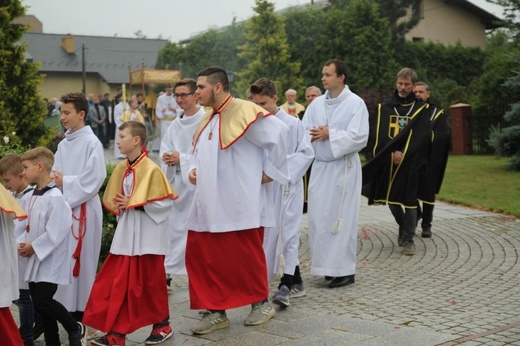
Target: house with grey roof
102,63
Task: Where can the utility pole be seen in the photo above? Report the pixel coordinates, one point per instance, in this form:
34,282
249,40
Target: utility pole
83,70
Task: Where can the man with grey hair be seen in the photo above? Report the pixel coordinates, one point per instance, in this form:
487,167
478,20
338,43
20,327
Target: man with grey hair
401,152
310,94
291,106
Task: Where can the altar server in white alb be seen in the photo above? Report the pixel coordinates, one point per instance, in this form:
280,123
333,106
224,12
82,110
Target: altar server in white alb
176,152
166,110
238,146
282,241
129,291
338,125
9,211
46,244
79,171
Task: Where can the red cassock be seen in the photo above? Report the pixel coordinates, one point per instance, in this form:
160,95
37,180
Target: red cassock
129,293
226,270
9,329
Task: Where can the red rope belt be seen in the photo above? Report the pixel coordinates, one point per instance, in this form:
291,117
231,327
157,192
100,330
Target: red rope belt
82,229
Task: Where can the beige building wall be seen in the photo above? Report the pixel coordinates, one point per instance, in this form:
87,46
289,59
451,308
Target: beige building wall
34,23
56,84
448,24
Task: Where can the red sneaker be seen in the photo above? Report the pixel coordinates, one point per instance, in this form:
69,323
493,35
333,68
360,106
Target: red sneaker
159,335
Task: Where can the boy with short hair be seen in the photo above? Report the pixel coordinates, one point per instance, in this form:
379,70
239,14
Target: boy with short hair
13,179
176,153
79,172
282,241
9,209
45,243
129,291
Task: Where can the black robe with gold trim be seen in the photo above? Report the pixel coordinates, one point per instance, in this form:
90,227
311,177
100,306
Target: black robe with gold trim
402,125
433,175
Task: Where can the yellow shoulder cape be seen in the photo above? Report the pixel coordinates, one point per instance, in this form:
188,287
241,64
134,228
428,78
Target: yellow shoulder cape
9,204
235,118
150,184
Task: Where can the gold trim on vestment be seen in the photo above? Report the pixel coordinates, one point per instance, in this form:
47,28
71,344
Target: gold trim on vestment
236,116
9,205
149,184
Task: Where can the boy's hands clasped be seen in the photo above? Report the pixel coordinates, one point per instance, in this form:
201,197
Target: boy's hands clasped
121,201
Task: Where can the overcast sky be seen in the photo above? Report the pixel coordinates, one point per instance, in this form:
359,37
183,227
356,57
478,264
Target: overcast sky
171,19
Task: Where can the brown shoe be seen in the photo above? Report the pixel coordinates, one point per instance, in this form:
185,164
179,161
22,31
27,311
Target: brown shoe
409,249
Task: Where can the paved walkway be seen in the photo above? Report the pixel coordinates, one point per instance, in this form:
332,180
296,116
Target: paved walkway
461,287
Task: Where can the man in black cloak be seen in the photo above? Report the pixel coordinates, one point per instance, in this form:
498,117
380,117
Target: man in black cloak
401,151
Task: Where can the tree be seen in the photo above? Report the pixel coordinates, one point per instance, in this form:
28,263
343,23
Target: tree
304,28
211,48
22,109
511,11
396,11
266,51
506,141
362,39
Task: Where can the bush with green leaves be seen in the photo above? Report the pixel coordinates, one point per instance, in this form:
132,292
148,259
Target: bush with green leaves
109,221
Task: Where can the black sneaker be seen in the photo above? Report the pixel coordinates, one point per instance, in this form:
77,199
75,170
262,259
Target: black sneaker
79,337
426,232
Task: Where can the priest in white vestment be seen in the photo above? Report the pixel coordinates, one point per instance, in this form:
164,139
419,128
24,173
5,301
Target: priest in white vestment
338,125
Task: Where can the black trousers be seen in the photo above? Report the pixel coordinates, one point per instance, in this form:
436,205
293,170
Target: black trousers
51,311
426,213
406,218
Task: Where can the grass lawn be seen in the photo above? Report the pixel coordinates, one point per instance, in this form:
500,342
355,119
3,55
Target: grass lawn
483,182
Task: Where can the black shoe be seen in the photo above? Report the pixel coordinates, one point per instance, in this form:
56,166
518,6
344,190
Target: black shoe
328,278
342,281
426,232
37,330
78,337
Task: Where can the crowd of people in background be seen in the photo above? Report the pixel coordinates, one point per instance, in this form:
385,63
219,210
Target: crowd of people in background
223,205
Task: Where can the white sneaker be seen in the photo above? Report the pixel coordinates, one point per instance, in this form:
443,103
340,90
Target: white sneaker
260,314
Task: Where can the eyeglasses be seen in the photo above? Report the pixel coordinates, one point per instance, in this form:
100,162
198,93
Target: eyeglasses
181,96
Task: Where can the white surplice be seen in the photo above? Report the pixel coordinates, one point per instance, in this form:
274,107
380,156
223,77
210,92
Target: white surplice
229,195
335,183
19,227
179,137
142,232
9,261
50,220
288,208
80,158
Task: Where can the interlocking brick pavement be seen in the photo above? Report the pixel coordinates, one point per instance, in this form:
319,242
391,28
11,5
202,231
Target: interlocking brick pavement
461,287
